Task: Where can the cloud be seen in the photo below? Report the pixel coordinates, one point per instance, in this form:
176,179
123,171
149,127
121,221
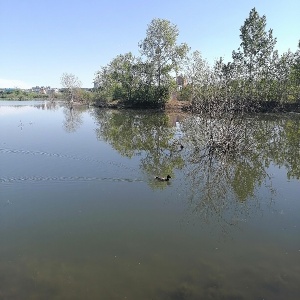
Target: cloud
13,83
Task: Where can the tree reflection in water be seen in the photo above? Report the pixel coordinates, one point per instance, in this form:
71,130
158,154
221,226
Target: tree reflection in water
145,134
214,182
229,184
73,118
219,182
279,137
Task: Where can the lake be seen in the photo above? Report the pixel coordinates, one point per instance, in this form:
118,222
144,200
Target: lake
83,217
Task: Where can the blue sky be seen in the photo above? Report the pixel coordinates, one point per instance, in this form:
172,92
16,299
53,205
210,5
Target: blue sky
41,39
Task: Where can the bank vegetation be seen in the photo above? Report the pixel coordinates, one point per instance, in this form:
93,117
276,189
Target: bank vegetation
257,78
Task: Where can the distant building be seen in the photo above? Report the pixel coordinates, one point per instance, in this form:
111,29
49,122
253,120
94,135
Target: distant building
44,90
96,84
181,82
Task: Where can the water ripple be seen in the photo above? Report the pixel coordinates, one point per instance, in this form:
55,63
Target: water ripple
62,156
65,179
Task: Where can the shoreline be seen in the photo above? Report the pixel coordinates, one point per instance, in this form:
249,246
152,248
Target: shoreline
172,105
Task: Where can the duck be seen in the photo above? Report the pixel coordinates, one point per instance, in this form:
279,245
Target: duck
163,178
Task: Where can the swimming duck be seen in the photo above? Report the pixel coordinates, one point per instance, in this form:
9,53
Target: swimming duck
163,178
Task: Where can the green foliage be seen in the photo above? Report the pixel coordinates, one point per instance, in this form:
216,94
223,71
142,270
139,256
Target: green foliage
160,49
185,94
294,91
126,78
253,59
257,78
18,94
143,83
85,96
150,96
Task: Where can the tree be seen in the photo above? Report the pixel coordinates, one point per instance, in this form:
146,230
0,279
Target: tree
282,67
145,82
125,70
161,51
196,72
119,78
295,75
72,85
128,79
253,58
296,65
103,85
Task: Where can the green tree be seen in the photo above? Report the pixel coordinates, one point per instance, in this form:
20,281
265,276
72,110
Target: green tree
161,51
103,85
196,73
125,69
282,70
144,82
295,75
254,56
128,79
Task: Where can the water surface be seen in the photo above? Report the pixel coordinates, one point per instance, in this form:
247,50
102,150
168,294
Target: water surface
82,217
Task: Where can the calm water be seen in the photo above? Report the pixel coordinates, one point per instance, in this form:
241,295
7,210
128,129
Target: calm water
82,217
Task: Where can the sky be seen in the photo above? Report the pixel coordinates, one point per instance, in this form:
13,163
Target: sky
42,39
